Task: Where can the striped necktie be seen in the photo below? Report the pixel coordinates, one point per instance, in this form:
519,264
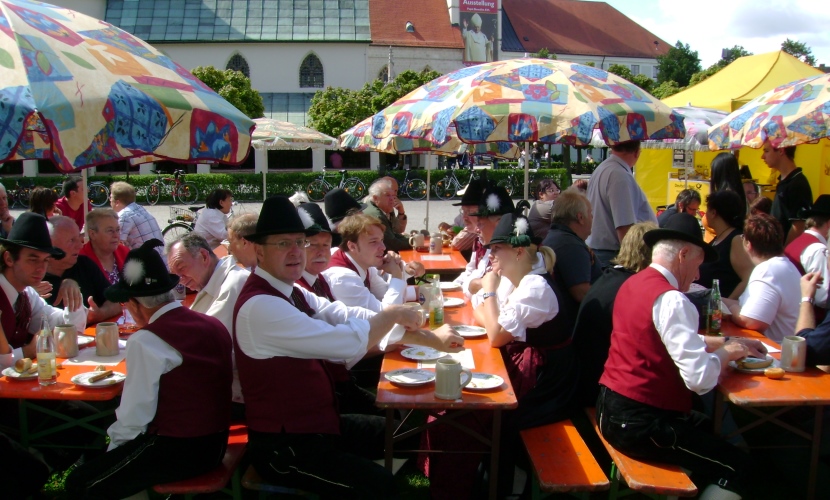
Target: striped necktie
322,289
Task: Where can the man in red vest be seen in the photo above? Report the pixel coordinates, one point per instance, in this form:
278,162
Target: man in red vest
174,415
809,250
657,360
284,339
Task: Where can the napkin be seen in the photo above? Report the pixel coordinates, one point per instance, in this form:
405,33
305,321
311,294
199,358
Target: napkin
88,357
435,257
464,357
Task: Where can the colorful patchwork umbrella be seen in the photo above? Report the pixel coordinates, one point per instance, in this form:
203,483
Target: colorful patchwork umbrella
81,92
789,115
697,122
274,134
540,100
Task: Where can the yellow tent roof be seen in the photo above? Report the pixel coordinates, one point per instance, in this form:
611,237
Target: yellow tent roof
743,80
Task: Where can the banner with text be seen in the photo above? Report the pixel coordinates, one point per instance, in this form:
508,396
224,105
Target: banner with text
479,29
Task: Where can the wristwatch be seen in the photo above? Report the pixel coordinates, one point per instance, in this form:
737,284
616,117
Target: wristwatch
487,295
807,299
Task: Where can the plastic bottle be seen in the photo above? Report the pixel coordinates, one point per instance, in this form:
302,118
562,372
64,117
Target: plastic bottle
436,306
714,314
47,372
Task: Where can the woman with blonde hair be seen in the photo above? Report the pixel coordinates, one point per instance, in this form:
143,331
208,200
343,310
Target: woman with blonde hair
592,331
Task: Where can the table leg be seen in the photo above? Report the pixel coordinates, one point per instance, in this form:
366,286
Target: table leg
814,453
24,423
390,441
494,454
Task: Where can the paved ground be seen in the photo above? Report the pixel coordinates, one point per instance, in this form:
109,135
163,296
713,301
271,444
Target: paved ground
439,211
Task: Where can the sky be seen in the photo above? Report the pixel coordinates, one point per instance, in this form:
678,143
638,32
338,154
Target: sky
711,25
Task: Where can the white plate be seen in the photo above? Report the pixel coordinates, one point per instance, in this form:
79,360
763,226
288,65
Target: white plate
453,302
82,380
448,286
85,340
775,364
469,331
12,374
484,382
422,353
410,377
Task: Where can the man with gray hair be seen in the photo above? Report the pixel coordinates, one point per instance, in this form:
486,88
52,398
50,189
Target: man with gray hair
242,250
382,199
173,420
576,267
6,219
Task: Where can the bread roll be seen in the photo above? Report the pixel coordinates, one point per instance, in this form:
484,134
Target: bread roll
750,363
774,373
22,365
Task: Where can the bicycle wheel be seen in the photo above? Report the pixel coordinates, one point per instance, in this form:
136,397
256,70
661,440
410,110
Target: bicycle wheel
99,194
317,190
153,193
443,189
188,192
22,198
174,231
507,184
355,188
416,189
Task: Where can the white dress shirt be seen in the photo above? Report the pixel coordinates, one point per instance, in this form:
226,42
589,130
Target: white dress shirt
814,260
471,271
676,320
347,286
54,317
212,224
528,305
148,358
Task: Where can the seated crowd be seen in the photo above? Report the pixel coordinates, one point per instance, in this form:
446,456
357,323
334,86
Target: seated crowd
316,296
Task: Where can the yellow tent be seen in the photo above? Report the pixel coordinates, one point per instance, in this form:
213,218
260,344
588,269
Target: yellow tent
727,90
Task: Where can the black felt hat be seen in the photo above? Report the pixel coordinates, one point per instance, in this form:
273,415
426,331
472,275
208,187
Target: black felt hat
313,219
495,201
339,204
513,229
472,195
820,208
278,216
144,273
30,231
684,227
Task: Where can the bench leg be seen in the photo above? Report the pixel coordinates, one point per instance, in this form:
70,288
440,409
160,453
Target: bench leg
614,491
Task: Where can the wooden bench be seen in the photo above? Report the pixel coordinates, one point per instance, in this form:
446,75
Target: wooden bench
218,478
252,481
652,479
562,462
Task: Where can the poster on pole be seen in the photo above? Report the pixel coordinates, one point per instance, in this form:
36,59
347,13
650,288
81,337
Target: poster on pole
479,30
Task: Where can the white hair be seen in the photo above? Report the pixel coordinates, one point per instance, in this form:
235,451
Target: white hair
156,300
378,187
59,221
668,250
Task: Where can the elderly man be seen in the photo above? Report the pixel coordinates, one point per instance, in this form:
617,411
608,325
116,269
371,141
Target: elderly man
809,250
6,219
71,204
618,202
76,277
24,255
137,225
687,201
173,420
793,192
382,198
283,333
467,240
397,215
354,268
242,249
657,360
576,267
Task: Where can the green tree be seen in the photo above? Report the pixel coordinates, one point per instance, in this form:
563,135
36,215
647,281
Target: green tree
679,64
234,87
799,50
544,53
621,70
732,54
666,89
643,82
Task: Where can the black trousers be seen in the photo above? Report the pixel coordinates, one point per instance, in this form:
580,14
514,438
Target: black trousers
21,473
687,440
144,462
331,466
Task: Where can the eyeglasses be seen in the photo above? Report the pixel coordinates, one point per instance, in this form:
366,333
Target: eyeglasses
289,244
318,246
468,212
553,190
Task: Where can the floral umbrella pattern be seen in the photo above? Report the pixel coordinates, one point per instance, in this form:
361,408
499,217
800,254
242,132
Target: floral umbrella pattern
697,122
359,138
520,100
274,134
81,92
789,115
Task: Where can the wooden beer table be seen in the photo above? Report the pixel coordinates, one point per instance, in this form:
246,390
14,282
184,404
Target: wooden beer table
487,359
448,262
768,399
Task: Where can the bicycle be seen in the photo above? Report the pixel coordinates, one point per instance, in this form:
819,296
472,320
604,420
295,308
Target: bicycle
318,188
19,195
415,188
181,222
97,192
185,192
449,186
514,181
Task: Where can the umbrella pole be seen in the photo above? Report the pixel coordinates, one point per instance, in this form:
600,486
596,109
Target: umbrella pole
527,169
426,219
85,180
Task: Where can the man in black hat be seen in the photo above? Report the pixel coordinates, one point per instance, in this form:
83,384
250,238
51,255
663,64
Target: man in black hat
657,360
283,336
467,240
338,204
808,252
174,415
318,252
24,257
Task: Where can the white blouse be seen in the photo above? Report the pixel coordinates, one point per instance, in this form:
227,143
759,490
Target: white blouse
212,224
529,305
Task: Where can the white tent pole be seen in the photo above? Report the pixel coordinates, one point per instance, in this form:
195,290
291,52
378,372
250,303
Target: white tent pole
429,167
527,169
85,180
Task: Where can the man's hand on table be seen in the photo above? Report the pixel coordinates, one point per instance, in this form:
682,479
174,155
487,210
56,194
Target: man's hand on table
735,350
415,269
443,338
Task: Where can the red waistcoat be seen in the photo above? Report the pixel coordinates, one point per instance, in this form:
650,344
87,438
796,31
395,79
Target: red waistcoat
14,337
338,372
639,366
339,259
283,394
194,399
797,247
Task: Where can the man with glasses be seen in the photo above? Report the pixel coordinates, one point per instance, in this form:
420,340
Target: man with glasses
687,201
283,337
751,191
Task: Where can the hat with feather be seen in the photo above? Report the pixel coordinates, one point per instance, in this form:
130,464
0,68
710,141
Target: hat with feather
513,229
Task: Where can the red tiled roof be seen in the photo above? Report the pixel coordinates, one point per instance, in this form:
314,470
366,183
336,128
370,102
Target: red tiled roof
580,28
387,19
